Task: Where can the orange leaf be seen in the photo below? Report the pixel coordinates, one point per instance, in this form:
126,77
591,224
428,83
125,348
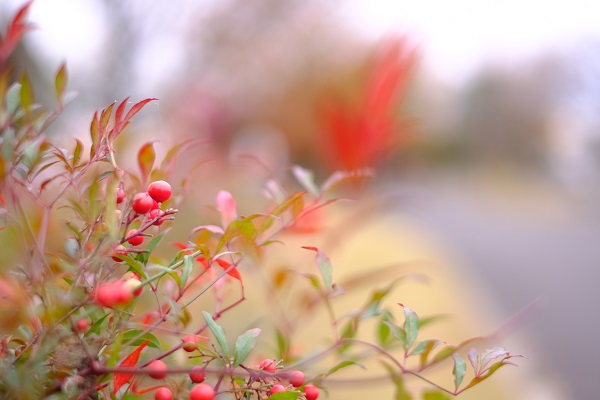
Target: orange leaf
146,157
122,378
233,272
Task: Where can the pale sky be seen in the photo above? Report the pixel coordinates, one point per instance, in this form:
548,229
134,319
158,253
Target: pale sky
456,36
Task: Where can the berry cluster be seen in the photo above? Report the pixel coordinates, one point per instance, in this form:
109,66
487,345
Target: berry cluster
144,206
202,391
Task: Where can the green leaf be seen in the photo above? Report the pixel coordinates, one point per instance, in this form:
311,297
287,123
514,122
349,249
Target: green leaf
459,370
244,345
411,326
283,344
140,337
383,333
398,332
26,93
279,210
424,347
435,395
218,332
341,365
240,227
443,354
77,153
13,98
60,82
284,396
95,328
94,135
186,271
324,265
155,241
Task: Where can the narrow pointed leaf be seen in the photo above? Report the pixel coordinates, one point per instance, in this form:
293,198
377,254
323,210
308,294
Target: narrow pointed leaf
218,332
60,82
146,157
324,265
411,326
136,108
341,365
284,396
186,271
131,361
244,344
459,370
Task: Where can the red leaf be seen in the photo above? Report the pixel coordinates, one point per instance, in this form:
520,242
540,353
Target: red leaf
120,111
14,32
182,246
136,108
233,272
122,378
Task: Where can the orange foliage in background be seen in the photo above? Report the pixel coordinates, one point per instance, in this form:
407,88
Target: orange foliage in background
358,136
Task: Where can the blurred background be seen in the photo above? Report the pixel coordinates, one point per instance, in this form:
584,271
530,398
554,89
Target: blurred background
480,117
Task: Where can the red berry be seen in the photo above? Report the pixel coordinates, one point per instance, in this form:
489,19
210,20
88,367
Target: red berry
82,325
268,364
202,392
159,191
163,393
154,205
120,250
296,378
142,203
157,369
190,343
107,295
311,392
277,389
156,213
136,240
197,374
120,195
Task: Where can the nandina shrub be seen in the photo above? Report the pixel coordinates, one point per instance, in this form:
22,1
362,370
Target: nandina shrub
96,317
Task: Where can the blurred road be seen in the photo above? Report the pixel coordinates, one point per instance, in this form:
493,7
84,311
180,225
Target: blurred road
523,243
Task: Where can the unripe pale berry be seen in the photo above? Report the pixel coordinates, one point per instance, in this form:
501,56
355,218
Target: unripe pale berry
296,378
202,392
278,388
142,203
190,343
133,284
197,374
136,240
157,369
163,393
160,191
120,250
311,392
268,364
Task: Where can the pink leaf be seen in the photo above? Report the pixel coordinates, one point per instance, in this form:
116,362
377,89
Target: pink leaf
227,207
